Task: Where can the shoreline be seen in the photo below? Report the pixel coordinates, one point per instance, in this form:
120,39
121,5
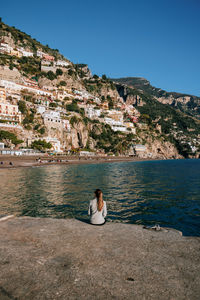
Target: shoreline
32,161
44,258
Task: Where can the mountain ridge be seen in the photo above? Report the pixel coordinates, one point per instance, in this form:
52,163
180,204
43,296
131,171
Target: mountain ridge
175,99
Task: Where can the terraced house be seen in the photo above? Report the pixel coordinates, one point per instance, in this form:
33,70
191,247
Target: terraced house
9,113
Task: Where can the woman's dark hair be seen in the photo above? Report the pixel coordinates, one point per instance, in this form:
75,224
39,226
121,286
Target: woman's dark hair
99,196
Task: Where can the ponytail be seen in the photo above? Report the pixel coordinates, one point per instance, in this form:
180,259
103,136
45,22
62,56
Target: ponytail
99,196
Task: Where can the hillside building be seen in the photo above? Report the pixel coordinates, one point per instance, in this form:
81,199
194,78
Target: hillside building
61,63
25,53
5,48
91,112
8,113
10,85
48,57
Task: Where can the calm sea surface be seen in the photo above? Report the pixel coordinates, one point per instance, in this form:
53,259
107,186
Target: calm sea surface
151,192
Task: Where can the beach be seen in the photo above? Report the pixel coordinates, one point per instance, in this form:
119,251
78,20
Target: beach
11,161
44,258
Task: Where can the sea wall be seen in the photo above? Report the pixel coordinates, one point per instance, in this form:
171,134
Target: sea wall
71,259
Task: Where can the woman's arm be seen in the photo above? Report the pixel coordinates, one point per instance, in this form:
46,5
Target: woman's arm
89,210
104,210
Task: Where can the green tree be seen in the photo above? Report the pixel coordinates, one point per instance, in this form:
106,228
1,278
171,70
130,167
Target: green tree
22,106
50,75
74,120
59,72
73,107
110,102
63,83
70,72
41,130
6,135
95,76
41,145
53,104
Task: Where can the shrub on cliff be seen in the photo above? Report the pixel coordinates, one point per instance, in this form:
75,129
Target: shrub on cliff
22,106
59,72
6,135
73,107
41,145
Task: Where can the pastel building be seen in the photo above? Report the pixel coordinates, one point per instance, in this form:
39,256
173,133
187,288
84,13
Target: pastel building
40,53
2,95
9,113
15,52
48,57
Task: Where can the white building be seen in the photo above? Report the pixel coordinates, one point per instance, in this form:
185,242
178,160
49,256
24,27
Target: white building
10,85
92,113
61,63
5,48
139,148
55,143
115,125
41,109
40,53
1,145
25,53
52,116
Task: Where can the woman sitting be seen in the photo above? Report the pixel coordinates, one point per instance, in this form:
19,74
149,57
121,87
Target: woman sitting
97,209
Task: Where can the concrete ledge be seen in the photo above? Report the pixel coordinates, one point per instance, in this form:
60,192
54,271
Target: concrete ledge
70,259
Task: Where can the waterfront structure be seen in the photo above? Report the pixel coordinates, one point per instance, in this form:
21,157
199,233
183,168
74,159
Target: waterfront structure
139,148
56,146
87,153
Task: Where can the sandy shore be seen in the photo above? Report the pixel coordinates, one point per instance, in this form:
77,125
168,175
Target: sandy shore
71,259
29,161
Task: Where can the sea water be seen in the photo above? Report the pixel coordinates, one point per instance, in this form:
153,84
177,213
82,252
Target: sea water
150,192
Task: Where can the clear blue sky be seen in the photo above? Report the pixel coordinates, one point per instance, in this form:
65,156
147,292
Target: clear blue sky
155,39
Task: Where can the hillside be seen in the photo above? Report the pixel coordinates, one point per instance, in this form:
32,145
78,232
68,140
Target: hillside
49,103
186,103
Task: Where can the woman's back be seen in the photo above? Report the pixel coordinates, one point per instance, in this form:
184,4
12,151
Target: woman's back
97,217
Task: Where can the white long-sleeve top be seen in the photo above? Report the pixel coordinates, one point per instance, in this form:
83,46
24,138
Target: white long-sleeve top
97,217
